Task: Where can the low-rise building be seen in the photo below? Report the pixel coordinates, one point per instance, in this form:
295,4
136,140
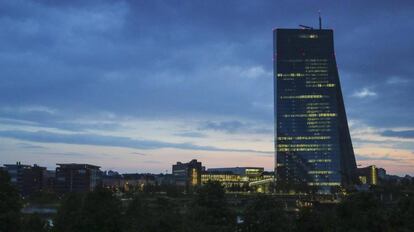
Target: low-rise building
250,172
368,175
240,179
165,179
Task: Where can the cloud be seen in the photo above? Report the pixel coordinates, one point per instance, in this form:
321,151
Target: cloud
152,161
138,153
397,80
67,61
234,126
116,141
10,121
42,116
29,146
389,148
396,155
28,109
253,72
367,158
363,93
70,154
227,126
129,57
257,71
190,134
399,134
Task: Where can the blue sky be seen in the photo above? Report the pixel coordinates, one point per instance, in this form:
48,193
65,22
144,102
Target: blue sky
138,85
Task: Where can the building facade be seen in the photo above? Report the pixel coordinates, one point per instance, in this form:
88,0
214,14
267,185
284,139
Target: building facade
77,178
27,179
368,175
313,145
240,179
187,175
241,171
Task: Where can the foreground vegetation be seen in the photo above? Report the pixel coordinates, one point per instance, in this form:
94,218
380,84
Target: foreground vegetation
208,209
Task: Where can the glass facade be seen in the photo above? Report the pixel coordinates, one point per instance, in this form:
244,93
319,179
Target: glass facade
313,145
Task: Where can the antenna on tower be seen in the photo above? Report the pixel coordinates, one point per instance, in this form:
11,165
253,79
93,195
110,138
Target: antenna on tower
320,20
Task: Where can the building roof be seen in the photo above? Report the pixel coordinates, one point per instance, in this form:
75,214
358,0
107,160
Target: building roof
79,165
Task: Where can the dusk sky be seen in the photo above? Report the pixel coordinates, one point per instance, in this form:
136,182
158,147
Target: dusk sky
136,86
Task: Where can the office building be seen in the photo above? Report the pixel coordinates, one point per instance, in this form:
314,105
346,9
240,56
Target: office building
313,145
241,171
240,179
368,175
187,175
226,178
77,178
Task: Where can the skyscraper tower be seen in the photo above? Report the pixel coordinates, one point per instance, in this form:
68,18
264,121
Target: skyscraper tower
313,144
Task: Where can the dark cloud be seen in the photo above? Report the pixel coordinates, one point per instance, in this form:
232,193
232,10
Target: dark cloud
116,141
173,58
228,126
190,134
71,154
152,161
363,158
29,146
138,153
49,118
400,134
233,126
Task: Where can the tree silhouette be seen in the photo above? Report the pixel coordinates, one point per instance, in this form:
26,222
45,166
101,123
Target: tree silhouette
362,212
10,205
264,214
101,212
137,216
402,218
316,220
96,211
209,211
34,223
68,216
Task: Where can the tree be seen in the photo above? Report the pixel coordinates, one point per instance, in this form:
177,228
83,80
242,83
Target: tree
315,220
402,216
43,197
209,211
10,205
34,223
101,212
167,216
68,216
160,215
137,216
264,214
98,210
362,212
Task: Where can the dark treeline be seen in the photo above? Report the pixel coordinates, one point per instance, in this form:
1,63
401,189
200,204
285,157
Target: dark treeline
206,210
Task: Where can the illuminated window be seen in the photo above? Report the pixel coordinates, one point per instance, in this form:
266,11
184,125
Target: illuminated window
290,75
319,161
309,36
303,138
302,97
324,183
320,172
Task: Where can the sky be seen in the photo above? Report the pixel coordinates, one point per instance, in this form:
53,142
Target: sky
136,86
